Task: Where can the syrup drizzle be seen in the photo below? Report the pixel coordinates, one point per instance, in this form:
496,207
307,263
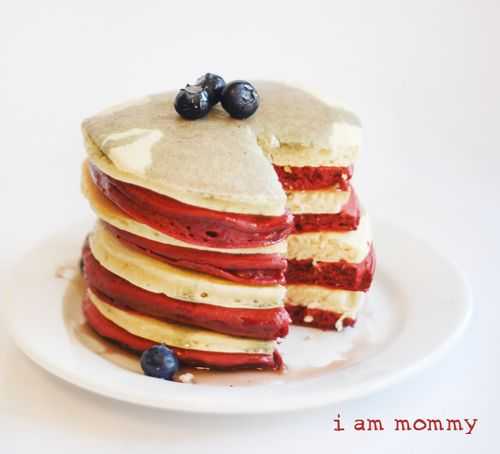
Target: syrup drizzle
82,334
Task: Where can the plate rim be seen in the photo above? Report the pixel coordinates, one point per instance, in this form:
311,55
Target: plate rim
327,397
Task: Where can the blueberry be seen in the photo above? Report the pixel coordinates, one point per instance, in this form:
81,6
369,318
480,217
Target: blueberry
213,84
192,102
240,99
80,265
159,362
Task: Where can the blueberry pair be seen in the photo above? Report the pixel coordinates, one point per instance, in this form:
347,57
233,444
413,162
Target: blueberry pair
239,98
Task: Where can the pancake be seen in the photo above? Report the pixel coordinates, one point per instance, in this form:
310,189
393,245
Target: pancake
176,335
322,201
159,277
319,318
337,275
253,269
110,213
314,178
190,223
352,246
216,162
322,307
335,218
265,324
199,347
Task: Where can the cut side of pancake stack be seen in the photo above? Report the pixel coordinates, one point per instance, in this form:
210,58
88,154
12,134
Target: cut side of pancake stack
190,249
331,260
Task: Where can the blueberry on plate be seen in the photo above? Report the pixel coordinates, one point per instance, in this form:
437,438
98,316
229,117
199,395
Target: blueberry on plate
192,102
240,99
159,362
214,85
80,265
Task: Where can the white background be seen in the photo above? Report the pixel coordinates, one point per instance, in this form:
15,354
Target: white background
424,77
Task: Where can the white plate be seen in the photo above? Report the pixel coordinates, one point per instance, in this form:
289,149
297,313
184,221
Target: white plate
418,307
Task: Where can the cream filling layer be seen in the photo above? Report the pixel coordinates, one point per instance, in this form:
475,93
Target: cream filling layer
315,297
351,246
159,277
110,213
326,201
179,336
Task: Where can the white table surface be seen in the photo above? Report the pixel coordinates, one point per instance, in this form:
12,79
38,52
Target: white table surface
423,76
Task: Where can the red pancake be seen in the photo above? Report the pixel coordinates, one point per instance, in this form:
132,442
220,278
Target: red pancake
264,324
196,358
338,275
347,219
253,269
321,319
190,223
306,178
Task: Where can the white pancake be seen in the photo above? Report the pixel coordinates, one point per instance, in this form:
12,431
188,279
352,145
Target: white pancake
352,246
180,336
324,201
156,276
344,302
218,162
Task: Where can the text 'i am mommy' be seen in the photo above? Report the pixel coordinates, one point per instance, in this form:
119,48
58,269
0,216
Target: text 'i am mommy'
464,425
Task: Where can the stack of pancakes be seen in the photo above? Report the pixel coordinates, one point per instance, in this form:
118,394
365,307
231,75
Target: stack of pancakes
190,249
